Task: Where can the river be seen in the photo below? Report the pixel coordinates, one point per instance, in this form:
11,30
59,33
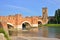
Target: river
49,32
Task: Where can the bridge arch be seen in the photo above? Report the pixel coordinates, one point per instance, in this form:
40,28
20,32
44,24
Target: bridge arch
39,22
9,25
26,24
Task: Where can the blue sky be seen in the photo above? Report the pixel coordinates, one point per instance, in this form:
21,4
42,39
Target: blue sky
28,7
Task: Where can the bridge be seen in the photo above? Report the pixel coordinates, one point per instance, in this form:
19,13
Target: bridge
20,22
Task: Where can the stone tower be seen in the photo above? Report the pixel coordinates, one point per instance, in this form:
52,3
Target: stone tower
44,13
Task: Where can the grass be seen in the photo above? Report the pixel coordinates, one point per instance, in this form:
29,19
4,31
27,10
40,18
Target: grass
5,34
52,25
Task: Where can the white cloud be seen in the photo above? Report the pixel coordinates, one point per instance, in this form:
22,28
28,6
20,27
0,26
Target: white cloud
19,8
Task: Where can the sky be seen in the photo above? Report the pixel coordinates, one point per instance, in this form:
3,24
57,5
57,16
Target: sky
28,7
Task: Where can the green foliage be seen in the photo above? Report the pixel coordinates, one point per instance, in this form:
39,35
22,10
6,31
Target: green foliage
57,16
5,34
52,25
56,19
52,21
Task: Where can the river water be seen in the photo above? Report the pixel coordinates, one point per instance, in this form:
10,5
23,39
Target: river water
49,32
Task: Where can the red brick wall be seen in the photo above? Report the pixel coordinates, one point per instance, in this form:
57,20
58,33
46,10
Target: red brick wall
18,19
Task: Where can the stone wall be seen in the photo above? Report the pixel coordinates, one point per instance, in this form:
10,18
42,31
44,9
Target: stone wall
17,20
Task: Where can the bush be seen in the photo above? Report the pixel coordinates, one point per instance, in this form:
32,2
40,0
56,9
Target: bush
52,25
5,34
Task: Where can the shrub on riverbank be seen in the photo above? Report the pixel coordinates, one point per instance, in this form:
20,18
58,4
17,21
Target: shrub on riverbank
52,25
5,34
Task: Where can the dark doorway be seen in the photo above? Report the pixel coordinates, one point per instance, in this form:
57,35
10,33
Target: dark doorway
9,26
39,23
10,29
25,26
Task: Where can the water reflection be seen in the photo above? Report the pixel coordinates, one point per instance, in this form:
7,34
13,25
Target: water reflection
53,32
57,32
44,31
30,33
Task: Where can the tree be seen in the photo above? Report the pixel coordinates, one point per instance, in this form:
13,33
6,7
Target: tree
57,16
52,21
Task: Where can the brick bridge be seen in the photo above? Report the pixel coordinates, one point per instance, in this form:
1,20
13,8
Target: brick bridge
18,21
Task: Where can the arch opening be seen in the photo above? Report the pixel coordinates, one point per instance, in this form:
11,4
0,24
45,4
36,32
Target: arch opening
25,26
39,23
10,28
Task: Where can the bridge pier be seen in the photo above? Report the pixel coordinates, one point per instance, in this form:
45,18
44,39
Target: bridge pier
4,26
34,25
19,27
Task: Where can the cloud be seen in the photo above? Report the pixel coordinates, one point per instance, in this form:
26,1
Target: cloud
20,8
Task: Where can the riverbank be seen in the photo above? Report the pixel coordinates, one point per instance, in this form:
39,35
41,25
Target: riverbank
32,38
4,33
52,25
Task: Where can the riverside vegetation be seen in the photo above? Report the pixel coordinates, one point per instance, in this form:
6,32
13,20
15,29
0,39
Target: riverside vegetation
56,21
5,34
